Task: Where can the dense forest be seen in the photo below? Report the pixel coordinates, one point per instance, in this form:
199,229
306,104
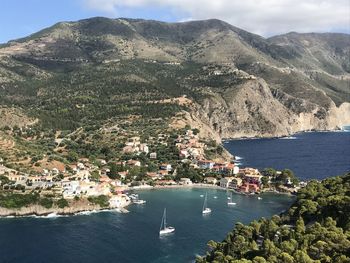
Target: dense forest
315,229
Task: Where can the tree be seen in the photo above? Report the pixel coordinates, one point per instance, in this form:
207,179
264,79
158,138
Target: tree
62,203
72,156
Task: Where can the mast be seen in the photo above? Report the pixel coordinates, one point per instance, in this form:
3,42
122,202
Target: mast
161,223
205,202
164,218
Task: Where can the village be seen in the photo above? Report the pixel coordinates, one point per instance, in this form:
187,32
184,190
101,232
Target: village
113,180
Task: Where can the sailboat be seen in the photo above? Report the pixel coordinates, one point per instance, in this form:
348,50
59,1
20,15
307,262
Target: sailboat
206,209
229,201
163,228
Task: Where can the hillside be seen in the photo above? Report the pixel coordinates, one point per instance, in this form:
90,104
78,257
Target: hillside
315,229
98,70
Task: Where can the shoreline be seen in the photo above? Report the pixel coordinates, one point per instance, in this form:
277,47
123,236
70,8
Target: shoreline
281,136
38,211
207,186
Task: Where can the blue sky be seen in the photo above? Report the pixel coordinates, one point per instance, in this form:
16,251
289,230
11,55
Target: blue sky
19,18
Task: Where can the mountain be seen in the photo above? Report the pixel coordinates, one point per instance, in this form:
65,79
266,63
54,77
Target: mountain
236,83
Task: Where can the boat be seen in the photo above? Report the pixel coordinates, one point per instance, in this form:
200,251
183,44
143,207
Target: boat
215,197
206,209
229,202
259,198
164,229
201,195
139,202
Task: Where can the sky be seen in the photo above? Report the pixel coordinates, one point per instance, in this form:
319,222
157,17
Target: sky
19,18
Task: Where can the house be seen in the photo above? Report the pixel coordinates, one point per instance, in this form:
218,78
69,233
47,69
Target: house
123,175
185,181
133,163
224,182
235,183
80,166
55,171
153,155
211,180
249,188
205,164
183,154
105,179
163,172
129,149
34,179
166,167
144,148
70,189
16,177
232,169
153,176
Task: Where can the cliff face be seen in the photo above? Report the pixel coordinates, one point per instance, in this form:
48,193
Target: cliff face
253,110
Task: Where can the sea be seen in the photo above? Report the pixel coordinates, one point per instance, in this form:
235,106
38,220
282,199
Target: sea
134,237
311,155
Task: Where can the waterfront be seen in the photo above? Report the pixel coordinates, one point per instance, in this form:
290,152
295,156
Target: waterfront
133,237
315,155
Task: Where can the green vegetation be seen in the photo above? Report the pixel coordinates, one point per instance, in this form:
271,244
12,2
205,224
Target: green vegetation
14,200
100,200
315,229
62,203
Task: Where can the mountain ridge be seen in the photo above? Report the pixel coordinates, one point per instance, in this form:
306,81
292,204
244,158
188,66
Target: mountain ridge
305,76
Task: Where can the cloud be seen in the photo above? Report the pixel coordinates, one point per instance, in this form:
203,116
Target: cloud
264,17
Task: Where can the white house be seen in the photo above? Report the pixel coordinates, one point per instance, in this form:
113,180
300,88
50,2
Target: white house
185,181
70,189
166,167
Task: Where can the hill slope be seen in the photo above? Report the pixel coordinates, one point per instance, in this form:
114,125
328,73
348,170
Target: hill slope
315,229
93,70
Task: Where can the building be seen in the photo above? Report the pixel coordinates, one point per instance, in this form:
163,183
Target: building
153,176
205,164
144,148
224,182
211,180
185,181
165,167
134,163
153,155
249,188
70,189
235,183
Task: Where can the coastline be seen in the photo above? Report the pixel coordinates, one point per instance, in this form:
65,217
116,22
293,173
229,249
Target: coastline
88,208
208,186
77,209
281,136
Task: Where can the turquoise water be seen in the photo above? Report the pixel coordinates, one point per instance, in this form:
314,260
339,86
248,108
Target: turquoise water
134,237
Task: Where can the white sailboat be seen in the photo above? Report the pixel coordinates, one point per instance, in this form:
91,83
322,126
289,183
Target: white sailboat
229,201
163,228
206,209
